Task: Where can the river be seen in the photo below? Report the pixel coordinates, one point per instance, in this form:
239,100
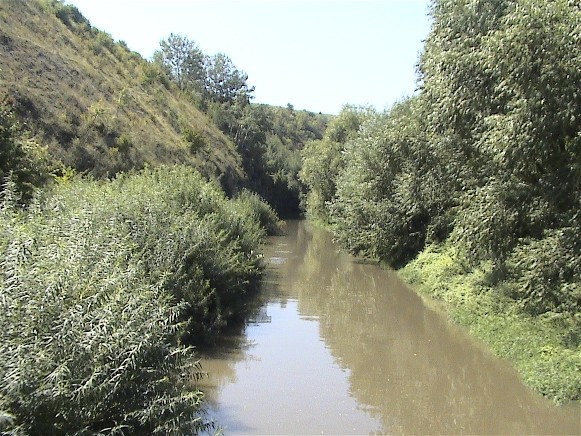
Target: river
343,347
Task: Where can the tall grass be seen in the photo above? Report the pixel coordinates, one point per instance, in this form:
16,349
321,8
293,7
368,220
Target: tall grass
100,285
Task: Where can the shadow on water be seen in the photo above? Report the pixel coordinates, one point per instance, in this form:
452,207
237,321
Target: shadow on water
404,365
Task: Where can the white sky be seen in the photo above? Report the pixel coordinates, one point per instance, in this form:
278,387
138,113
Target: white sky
316,55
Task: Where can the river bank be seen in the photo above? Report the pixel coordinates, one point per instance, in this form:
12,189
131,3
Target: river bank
542,349
102,285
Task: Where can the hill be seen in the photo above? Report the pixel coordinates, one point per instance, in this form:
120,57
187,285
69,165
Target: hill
99,107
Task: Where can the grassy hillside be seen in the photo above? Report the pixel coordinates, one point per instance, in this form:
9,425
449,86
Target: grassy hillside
99,107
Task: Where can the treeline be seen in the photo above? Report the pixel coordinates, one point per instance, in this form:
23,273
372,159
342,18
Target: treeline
268,138
483,164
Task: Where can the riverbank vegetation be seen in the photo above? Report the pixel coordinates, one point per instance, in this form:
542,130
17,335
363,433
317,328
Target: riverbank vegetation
104,286
108,280
474,184
109,275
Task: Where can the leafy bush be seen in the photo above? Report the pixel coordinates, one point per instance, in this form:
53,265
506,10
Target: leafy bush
252,205
190,239
99,282
390,189
151,74
21,157
102,41
124,143
486,224
195,140
86,339
547,272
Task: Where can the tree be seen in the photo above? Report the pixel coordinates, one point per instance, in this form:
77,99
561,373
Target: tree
183,61
224,82
500,83
392,190
323,159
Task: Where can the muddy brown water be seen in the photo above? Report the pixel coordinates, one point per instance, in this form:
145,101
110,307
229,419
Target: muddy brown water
343,347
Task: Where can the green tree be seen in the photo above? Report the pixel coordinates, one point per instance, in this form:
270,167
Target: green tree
323,159
183,61
392,191
500,83
224,82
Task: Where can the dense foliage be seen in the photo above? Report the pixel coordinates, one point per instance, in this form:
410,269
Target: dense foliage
22,159
390,192
271,146
487,156
101,283
323,159
485,159
269,140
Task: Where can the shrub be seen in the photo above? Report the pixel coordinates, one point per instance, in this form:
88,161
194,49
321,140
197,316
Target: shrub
547,272
86,339
152,73
195,140
323,159
102,41
390,188
252,205
68,14
99,281
124,143
21,157
485,226
189,238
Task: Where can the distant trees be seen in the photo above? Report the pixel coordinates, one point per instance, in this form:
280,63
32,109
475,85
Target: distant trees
224,82
211,78
324,158
183,61
268,139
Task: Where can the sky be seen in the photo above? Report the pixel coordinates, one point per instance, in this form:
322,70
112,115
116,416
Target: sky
317,55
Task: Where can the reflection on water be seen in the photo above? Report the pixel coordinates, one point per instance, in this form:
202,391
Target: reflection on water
345,348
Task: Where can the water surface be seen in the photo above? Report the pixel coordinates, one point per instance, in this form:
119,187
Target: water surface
343,347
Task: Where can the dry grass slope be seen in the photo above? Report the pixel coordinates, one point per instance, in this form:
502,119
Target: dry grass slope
98,106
